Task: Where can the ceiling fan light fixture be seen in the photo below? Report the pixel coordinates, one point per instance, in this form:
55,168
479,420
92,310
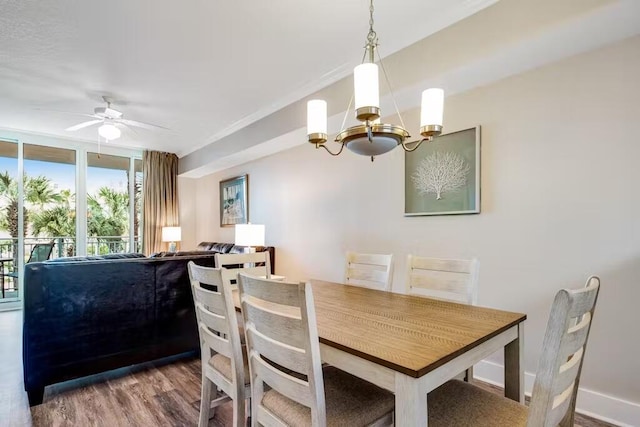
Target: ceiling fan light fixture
109,132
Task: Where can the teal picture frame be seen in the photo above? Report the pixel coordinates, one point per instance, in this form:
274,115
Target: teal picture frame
442,176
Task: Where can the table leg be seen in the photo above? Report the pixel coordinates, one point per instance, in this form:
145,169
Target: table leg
411,401
514,367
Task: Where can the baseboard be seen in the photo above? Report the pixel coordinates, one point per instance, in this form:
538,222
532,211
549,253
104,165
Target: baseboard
600,406
11,305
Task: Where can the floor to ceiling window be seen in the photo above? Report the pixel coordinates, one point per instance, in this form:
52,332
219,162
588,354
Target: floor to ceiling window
137,206
9,201
59,178
108,204
49,201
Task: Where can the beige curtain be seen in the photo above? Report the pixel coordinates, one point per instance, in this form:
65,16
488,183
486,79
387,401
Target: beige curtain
160,198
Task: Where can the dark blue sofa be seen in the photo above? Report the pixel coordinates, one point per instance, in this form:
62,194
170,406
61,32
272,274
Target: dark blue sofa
83,316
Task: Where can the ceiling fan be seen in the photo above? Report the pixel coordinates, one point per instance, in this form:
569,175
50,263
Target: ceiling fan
111,121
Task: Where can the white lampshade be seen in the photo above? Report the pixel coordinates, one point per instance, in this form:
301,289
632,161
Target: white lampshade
109,131
249,235
432,107
365,84
171,234
316,116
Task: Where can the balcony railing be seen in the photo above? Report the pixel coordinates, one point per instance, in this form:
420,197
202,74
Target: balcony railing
63,247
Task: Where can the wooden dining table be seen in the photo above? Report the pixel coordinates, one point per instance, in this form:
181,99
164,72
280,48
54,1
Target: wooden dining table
410,345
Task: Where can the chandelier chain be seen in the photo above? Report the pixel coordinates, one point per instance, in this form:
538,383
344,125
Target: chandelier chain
372,37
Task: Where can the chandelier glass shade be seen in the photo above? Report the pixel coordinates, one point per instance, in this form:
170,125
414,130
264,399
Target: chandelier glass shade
370,137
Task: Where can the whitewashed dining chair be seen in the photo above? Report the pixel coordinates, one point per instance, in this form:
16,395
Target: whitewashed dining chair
554,392
450,279
284,353
254,264
373,271
224,366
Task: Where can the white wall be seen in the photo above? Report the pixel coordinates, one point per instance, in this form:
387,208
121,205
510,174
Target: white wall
560,155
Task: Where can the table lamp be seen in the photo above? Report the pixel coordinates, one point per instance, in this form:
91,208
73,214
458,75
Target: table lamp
172,235
249,235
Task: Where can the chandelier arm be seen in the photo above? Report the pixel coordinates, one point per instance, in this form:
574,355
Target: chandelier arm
415,147
329,151
393,96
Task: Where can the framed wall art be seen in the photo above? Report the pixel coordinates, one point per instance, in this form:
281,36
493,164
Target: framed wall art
442,177
234,201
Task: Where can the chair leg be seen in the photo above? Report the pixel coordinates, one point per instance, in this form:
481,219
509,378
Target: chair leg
468,375
239,415
205,402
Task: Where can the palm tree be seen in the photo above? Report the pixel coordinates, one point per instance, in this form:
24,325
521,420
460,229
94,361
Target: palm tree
58,221
137,207
107,217
38,192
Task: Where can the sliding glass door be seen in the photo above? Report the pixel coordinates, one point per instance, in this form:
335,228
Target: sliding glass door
42,187
49,202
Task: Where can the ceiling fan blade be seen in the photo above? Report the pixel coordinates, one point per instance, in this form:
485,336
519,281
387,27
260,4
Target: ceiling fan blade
68,112
147,126
83,125
128,128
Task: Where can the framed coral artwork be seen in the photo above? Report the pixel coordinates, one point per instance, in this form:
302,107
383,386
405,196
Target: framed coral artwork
234,201
442,177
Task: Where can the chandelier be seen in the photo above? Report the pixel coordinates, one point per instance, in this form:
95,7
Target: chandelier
371,137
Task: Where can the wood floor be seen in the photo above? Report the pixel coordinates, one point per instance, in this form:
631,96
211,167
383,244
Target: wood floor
165,393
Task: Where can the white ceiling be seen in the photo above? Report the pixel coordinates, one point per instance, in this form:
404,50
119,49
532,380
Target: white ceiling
203,68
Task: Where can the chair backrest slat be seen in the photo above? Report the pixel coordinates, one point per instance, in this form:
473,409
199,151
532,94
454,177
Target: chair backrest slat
273,294
211,299
558,377
369,270
292,387
41,252
446,265
451,279
293,358
212,320
211,341
568,373
254,264
575,338
281,327
249,257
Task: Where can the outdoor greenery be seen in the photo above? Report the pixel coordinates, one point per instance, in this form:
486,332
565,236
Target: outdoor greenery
51,213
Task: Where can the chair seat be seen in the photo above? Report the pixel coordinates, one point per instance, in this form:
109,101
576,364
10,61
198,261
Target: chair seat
222,364
350,401
457,403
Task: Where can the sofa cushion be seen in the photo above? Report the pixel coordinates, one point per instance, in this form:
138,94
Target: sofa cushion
179,253
237,249
222,248
123,256
204,246
69,259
